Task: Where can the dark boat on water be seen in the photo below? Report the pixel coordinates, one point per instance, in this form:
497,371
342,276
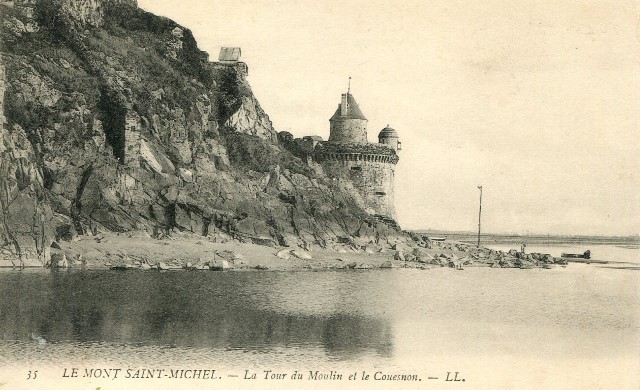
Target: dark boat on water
585,255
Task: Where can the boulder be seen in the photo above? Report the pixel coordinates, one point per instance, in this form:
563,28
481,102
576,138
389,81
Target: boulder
300,254
58,260
66,233
219,265
504,263
560,260
455,263
401,247
386,264
230,256
264,241
398,255
284,253
424,258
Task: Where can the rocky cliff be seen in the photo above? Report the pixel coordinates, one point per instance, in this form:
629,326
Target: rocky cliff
116,121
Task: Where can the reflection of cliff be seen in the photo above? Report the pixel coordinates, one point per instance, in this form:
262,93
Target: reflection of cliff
203,310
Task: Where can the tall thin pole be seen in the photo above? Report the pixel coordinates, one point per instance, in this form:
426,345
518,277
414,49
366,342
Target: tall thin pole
349,87
479,214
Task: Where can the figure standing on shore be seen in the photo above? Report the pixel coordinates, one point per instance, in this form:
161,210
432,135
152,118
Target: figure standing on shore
523,247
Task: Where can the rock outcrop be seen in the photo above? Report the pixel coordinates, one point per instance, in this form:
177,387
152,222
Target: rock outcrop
116,121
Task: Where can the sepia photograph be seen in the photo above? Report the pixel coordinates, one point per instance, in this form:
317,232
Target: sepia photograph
250,194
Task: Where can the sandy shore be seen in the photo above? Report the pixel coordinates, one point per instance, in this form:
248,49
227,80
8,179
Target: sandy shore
120,251
138,251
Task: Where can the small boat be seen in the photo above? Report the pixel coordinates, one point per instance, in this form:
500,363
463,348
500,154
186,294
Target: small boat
437,238
585,255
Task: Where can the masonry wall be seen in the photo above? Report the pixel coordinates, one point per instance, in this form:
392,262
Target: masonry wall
373,179
348,130
391,141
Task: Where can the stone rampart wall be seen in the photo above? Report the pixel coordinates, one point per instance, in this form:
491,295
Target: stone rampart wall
372,175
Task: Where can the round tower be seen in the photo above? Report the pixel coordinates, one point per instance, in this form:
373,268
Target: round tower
368,166
389,136
348,124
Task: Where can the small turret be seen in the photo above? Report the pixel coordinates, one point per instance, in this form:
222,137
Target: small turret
389,136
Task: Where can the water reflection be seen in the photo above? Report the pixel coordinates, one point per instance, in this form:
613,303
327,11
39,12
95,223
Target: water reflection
240,311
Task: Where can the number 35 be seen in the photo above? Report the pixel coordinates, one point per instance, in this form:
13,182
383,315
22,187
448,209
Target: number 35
32,375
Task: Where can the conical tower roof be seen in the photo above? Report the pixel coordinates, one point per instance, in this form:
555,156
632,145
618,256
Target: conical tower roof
353,111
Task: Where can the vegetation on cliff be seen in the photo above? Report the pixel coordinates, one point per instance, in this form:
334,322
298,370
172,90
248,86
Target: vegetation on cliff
116,121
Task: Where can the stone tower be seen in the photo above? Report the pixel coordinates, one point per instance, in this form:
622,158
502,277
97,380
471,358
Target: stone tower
369,166
348,124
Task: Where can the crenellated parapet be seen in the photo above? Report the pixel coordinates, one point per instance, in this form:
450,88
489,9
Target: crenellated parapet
329,151
356,157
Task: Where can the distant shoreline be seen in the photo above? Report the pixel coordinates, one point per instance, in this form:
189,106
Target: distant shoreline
537,239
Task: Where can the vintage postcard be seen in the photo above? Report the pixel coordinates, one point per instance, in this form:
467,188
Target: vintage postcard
250,194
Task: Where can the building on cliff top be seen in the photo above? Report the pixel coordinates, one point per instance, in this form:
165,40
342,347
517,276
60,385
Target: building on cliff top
229,57
348,155
229,54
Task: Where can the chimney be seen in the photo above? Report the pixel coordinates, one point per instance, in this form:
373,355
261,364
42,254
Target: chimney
344,106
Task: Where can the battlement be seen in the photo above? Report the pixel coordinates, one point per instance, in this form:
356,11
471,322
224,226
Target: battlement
355,152
356,157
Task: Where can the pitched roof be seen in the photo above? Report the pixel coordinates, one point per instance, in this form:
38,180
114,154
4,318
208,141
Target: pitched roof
229,54
353,111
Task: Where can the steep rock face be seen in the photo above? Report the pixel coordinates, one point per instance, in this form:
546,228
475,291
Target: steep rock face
251,119
116,121
237,104
89,12
26,219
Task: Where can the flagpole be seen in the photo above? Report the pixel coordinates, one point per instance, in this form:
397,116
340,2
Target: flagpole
479,215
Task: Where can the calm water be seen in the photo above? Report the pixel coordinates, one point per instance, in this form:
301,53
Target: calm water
581,322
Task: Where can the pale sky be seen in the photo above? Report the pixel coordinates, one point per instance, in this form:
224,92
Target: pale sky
537,101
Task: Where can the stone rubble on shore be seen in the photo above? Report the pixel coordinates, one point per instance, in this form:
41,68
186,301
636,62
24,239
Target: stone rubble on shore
127,252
